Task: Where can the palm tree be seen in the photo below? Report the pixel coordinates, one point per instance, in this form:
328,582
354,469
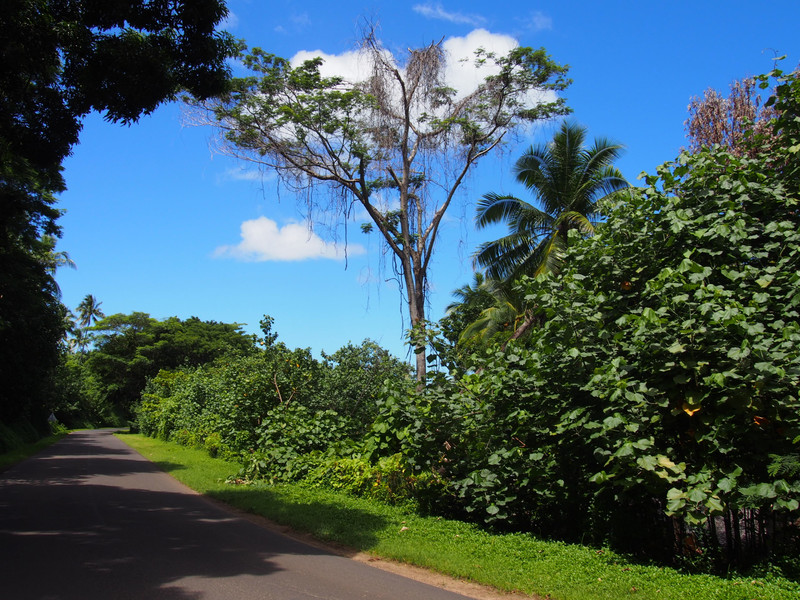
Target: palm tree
486,311
471,298
505,313
567,181
89,311
472,301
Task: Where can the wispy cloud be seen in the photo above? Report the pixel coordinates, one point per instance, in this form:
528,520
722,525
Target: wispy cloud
263,240
538,21
246,174
437,11
297,22
300,20
231,21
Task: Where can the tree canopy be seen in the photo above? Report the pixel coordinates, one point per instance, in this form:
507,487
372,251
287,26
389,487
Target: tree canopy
60,61
398,143
129,349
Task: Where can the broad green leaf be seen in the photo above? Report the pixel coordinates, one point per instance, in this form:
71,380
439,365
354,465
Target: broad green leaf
676,348
726,485
790,505
648,463
696,495
675,506
715,505
600,478
675,494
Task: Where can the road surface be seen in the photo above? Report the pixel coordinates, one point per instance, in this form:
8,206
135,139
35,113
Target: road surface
89,518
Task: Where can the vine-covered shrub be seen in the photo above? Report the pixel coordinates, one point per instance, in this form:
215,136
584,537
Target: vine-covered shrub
228,398
290,441
352,381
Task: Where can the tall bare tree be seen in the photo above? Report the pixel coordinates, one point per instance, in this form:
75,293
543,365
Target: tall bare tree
398,143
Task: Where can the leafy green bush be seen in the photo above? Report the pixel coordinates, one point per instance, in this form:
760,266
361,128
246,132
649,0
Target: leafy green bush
291,440
389,479
352,379
656,407
229,398
275,410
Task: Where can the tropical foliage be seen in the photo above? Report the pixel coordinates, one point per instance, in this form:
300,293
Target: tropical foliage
89,311
280,411
101,385
653,405
659,393
503,316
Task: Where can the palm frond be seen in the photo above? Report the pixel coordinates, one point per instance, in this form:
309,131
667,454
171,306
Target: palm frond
494,208
567,180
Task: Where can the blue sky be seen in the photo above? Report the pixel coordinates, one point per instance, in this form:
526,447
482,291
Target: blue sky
154,218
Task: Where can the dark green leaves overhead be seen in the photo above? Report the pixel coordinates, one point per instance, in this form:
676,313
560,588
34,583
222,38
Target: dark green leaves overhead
62,59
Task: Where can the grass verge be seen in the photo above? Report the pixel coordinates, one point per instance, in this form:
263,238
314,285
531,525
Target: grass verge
515,562
20,453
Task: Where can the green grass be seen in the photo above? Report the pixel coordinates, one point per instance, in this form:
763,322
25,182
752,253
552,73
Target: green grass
20,453
508,562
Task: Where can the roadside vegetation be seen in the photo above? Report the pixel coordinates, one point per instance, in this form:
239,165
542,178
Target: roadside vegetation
632,387
641,396
15,447
509,562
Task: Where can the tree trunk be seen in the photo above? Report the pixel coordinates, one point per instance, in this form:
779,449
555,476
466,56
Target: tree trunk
414,278
417,313
520,331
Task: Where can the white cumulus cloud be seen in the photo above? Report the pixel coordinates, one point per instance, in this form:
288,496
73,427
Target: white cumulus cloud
245,174
462,74
263,240
352,65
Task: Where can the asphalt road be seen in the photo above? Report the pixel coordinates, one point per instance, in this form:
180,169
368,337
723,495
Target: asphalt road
90,518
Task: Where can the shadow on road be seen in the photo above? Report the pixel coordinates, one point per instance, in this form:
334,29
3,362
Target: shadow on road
87,519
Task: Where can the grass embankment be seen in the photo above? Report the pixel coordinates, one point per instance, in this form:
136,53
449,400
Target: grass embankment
508,562
23,451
